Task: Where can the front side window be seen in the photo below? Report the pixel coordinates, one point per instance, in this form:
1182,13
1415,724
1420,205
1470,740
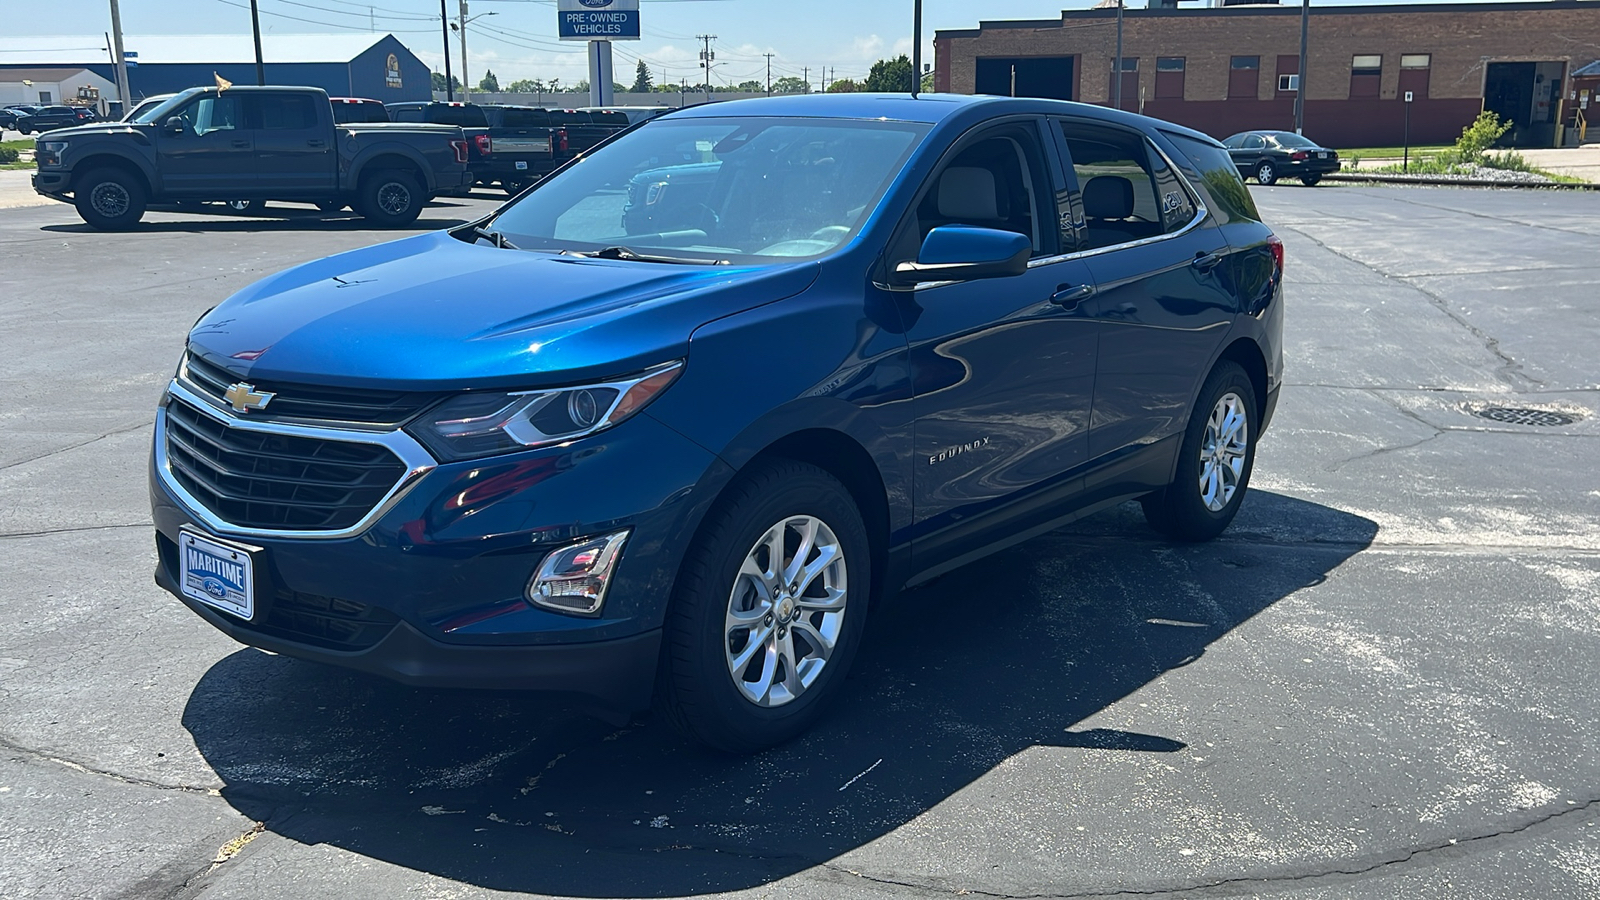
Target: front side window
1129,192
996,180
718,189
212,113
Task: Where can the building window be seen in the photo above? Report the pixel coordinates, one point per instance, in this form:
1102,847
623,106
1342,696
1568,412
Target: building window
1415,60
1366,75
1244,73
1169,78
1288,84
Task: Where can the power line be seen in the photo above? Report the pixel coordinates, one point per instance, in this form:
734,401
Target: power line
315,22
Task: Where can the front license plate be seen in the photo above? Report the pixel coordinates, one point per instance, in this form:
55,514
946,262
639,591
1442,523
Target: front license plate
216,574
522,164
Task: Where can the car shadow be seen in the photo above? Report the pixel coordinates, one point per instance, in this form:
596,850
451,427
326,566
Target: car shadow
438,214
518,793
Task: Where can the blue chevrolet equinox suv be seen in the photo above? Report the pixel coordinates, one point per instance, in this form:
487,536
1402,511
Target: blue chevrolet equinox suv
670,426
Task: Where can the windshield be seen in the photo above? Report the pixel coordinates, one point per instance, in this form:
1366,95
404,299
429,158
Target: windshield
155,113
736,189
1293,141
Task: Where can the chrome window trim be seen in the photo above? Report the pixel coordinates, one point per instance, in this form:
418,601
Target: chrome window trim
412,454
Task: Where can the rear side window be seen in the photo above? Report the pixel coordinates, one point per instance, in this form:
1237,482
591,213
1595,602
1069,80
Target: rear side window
1129,192
522,118
1218,176
285,112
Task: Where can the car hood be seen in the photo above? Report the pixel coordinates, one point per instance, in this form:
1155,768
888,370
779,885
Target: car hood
434,313
88,129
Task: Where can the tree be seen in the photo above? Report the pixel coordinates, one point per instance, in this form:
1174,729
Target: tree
791,84
927,83
577,87
439,84
750,87
489,84
526,86
843,86
642,83
890,76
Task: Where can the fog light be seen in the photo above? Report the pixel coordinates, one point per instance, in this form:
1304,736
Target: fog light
574,578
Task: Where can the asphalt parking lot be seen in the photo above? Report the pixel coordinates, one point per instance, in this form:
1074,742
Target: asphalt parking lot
1383,681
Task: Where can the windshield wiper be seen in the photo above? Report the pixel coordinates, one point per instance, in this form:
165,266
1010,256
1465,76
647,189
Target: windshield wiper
631,255
494,237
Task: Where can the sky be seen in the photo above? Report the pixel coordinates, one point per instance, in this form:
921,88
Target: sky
843,37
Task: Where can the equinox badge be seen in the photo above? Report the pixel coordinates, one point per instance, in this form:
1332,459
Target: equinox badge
244,397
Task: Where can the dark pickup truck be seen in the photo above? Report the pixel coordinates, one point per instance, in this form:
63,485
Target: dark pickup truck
249,143
516,145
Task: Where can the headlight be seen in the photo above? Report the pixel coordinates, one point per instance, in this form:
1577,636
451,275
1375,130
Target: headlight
48,153
487,423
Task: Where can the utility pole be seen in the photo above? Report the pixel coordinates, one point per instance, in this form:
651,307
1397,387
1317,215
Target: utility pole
916,48
805,75
444,28
466,81
372,20
769,73
1116,67
122,60
706,58
255,28
1300,91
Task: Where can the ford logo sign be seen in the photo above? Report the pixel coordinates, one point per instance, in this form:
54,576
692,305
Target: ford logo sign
595,4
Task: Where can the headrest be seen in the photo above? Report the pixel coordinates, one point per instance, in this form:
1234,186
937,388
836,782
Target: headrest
967,193
1108,197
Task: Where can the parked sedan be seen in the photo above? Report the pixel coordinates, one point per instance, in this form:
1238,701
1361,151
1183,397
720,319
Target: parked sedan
1270,155
11,114
554,449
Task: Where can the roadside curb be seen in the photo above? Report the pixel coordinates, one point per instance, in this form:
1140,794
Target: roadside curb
1430,181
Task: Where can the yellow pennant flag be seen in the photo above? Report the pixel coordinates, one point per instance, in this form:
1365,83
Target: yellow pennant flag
222,83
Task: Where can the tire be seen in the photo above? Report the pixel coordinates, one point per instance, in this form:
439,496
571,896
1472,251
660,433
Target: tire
245,207
1310,180
390,198
331,206
24,131
110,199
1193,507
1266,172
513,188
699,692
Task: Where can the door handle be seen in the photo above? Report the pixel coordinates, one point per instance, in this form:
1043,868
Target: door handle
1068,296
241,143
314,142
1205,262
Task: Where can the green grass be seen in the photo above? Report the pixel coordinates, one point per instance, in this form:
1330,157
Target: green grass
25,144
1386,152
6,167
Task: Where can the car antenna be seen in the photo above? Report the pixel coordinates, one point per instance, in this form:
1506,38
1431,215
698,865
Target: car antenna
916,47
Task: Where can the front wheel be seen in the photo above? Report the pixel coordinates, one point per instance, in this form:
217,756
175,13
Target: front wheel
110,199
390,198
1214,463
768,610
1310,180
1266,172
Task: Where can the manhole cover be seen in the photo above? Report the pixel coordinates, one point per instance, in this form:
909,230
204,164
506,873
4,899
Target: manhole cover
1513,415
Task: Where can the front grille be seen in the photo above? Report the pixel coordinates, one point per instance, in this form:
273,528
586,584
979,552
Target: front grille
314,402
252,479
327,622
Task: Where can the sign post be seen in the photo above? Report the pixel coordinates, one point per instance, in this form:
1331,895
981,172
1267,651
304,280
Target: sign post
599,22
1405,162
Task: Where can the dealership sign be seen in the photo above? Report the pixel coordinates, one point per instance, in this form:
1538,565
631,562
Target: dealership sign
598,20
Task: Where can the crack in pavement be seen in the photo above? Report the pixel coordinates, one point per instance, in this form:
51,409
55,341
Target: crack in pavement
9,535
1509,369
76,766
59,450
1333,872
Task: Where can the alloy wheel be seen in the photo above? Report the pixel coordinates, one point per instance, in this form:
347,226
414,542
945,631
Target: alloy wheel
786,611
394,198
1223,449
110,199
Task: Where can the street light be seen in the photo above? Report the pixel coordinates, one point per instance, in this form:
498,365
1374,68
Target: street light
466,83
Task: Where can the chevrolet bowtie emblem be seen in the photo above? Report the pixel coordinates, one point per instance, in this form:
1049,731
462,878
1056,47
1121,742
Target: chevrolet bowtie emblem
244,397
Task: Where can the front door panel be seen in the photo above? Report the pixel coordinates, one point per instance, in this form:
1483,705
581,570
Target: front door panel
214,156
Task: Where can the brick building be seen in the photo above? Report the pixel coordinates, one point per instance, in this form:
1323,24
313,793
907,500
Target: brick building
1228,69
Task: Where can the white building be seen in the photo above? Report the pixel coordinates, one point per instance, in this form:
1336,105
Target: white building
66,85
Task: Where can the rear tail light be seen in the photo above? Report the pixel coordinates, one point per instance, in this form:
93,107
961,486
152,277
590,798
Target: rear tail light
460,147
561,139
1298,155
485,145
1275,244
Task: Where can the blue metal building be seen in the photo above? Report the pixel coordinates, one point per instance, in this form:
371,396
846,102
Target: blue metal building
345,65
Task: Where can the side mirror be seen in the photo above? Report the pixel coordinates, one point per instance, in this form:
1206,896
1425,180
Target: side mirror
173,125
961,252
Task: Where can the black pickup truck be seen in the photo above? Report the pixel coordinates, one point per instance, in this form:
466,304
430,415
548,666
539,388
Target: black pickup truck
516,145
249,143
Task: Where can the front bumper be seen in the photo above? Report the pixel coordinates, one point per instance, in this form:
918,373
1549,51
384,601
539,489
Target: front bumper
53,183
430,590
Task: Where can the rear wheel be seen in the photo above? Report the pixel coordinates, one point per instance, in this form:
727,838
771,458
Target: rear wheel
768,610
110,199
1266,172
390,198
1310,180
1214,463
